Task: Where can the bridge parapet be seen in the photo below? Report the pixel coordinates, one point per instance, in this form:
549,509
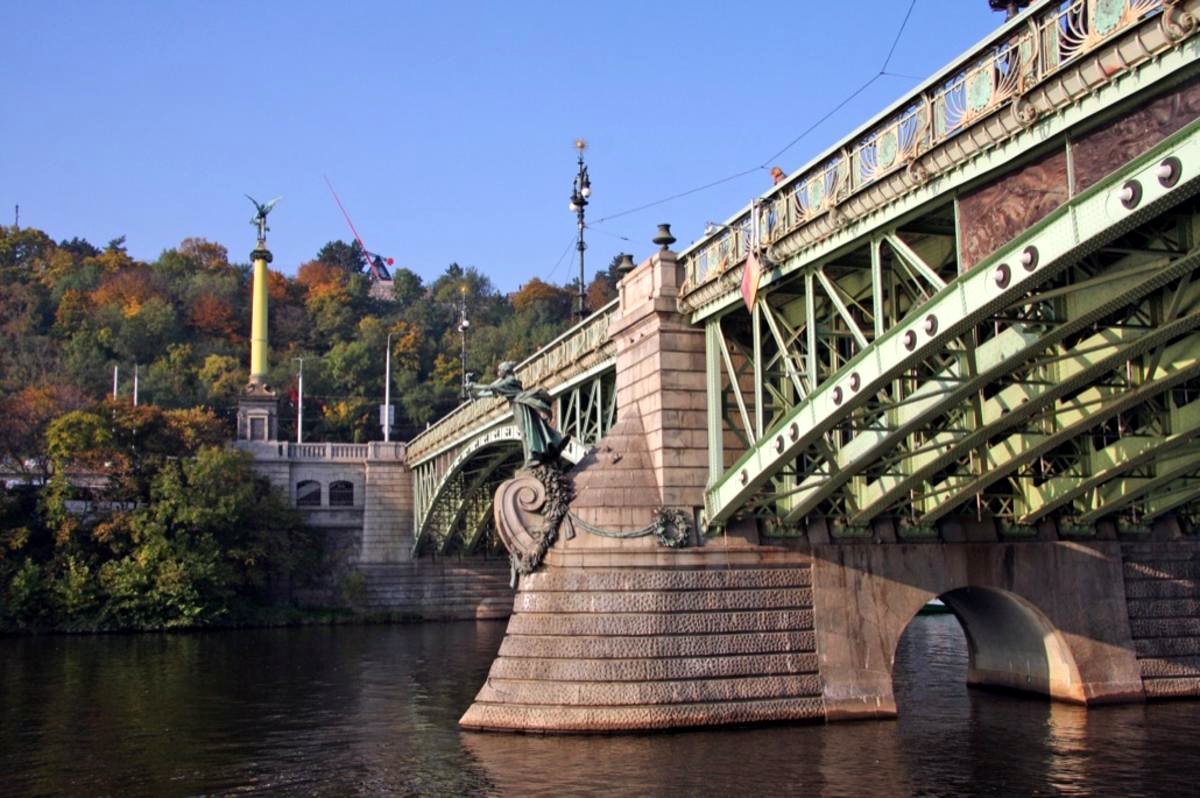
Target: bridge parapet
1047,59
324,452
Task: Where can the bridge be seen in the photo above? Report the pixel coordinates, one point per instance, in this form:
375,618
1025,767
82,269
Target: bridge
957,356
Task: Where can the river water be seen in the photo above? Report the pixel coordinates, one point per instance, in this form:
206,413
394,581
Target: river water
373,710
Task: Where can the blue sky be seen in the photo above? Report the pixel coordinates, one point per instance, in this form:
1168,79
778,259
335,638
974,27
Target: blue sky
446,128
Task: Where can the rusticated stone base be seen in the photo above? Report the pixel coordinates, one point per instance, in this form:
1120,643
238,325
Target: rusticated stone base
603,650
1162,592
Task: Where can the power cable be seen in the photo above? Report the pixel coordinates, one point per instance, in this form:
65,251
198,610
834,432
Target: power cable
766,163
560,259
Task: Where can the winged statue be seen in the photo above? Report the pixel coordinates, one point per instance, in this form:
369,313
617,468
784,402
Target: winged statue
260,218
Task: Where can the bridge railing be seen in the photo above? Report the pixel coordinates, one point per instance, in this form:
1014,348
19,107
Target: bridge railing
325,452
994,74
577,350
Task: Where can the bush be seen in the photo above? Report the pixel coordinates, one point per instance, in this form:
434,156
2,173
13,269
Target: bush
204,544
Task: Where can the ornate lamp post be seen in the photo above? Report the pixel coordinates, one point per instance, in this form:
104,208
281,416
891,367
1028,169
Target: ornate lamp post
463,324
581,189
299,401
1010,7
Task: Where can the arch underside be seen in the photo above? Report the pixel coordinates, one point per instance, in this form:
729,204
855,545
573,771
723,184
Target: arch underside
1013,645
1056,380
454,497
460,516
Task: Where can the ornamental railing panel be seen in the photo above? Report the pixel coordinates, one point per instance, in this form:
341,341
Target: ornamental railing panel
996,75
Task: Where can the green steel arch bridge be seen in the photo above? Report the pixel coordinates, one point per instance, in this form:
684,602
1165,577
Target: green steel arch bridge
956,356
981,299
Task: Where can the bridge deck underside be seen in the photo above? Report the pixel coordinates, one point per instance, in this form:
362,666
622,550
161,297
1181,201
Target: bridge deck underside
1055,376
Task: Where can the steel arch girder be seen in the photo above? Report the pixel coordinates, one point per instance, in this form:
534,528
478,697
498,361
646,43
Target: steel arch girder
1007,352
1003,458
1120,493
1014,404
1080,226
442,490
1107,465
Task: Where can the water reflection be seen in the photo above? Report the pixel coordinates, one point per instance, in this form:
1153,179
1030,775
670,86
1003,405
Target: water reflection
373,710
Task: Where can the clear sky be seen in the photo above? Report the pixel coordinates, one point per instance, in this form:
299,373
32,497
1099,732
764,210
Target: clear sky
446,128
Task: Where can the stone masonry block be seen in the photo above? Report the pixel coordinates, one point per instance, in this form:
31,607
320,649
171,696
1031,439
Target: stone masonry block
652,669
648,693
667,646
663,601
642,718
607,624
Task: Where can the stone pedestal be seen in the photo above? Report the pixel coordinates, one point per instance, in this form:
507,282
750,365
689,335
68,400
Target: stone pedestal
258,414
387,513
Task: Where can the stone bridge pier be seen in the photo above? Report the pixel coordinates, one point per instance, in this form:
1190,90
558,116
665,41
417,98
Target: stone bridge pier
957,356
619,630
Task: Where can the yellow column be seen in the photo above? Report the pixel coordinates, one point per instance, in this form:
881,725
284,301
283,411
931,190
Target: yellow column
258,318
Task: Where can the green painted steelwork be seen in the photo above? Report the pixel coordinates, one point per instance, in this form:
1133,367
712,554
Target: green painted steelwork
453,496
938,330
1136,59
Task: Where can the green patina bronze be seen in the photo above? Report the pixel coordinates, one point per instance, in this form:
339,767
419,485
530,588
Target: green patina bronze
541,443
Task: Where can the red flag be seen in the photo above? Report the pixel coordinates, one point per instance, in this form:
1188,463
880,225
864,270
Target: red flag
751,274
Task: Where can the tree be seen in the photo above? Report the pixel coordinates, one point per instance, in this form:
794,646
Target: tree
204,254
407,288
320,278
27,413
542,299
221,378
213,317
348,258
600,292
79,248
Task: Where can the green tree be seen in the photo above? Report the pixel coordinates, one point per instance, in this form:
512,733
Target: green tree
347,257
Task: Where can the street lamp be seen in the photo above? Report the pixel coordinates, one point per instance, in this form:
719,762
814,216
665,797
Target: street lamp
1010,7
299,401
581,189
386,416
462,332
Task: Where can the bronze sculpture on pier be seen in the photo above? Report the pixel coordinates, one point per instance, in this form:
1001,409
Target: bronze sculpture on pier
541,442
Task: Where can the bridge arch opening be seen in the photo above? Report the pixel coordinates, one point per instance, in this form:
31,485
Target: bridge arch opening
1010,645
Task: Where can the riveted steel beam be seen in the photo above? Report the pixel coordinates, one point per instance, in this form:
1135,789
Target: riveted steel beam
1106,464
1118,494
1175,495
1071,419
1082,226
1081,100
1015,404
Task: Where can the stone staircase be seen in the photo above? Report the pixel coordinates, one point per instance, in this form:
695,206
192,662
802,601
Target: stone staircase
438,589
592,649
1162,592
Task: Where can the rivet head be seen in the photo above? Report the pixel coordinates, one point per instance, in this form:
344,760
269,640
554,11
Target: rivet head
1002,275
778,443
837,395
910,340
931,324
1030,258
794,431
1169,171
855,381
744,477
1130,194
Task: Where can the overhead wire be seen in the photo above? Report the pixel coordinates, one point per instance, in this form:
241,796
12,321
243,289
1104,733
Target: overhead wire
883,72
558,263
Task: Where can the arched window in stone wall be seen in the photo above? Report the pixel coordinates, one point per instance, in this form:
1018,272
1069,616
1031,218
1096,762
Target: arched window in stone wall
308,493
341,494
